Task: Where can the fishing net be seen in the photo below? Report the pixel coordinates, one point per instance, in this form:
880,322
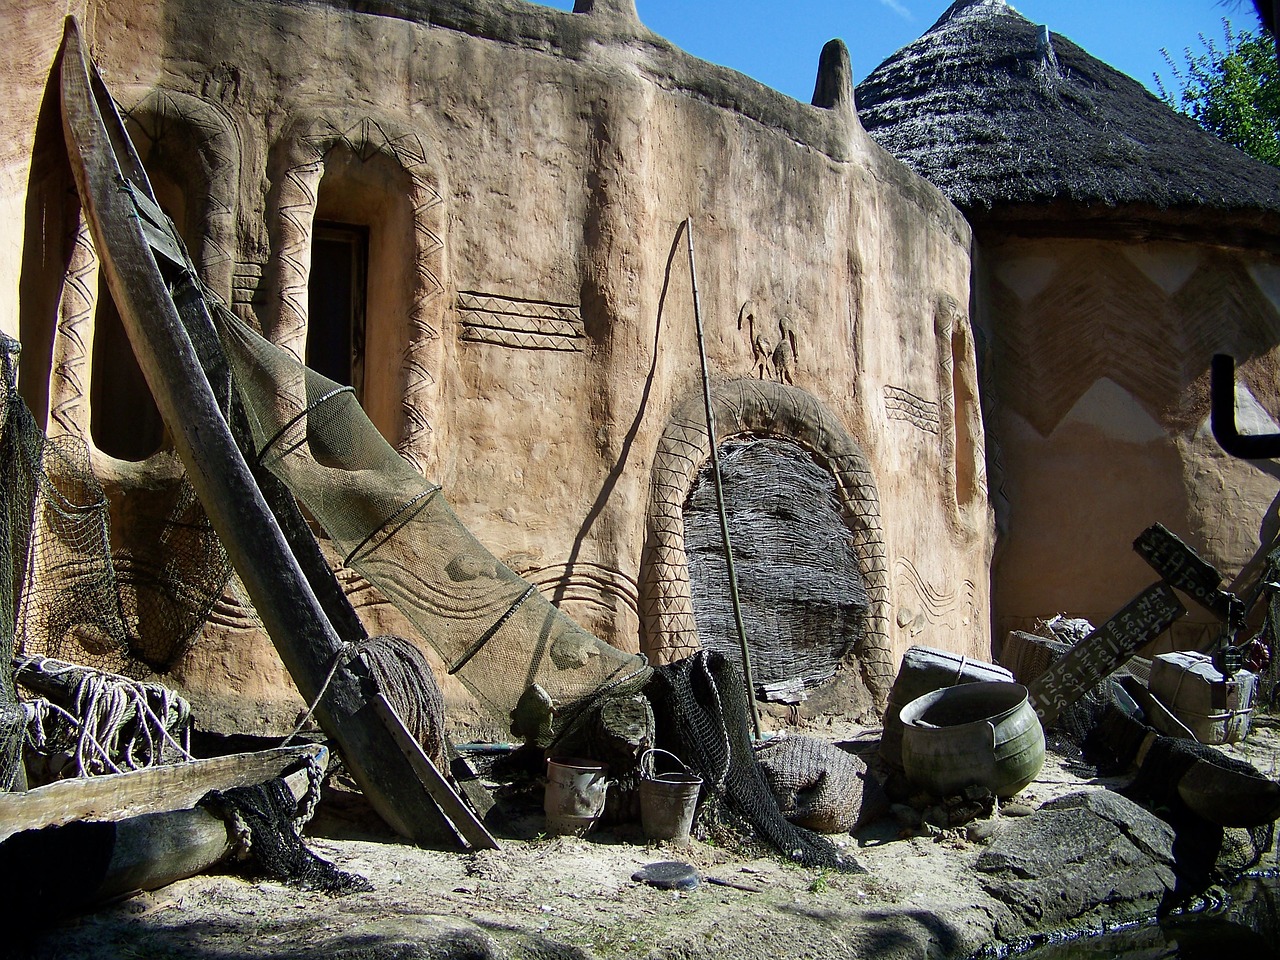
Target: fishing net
16,456
64,596
701,707
267,825
494,631
131,613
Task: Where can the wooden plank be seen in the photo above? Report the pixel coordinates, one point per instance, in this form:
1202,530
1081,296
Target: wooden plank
104,162
460,815
1183,568
468,781
174,786
1091,660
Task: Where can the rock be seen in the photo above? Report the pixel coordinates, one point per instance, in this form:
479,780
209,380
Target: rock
1017,809
982,831
409,939
1077,857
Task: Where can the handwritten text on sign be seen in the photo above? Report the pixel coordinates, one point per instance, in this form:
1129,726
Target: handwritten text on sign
1091,660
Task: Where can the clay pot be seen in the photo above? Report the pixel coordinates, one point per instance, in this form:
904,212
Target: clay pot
983,734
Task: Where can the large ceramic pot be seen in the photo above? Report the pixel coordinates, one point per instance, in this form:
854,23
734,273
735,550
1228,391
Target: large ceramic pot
982,734
923,670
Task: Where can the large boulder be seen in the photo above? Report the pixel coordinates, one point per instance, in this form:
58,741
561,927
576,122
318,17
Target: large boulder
1085,858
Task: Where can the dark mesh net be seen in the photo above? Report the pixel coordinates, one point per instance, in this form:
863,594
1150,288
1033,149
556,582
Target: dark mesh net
492,628
263,817
701,707
19,451
132,612
70,608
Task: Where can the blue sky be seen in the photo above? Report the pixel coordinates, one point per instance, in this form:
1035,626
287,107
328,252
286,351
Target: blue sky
778,41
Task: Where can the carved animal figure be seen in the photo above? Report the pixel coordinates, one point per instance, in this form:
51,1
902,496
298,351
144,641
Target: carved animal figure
762,351
784,354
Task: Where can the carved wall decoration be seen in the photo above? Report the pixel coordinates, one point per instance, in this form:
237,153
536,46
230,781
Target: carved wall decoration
772,357
521,324
246,288
905,406
959,412
72,343
592,583
163,122
760,408
306,148
923,606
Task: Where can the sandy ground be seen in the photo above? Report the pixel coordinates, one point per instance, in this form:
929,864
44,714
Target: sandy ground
566,897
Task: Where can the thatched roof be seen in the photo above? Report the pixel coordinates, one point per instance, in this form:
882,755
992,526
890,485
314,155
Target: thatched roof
998,114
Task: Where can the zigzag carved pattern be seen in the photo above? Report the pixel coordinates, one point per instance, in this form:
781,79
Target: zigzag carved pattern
1079,329
488,318
164,118
904,405
428,303
69,387
297,212
366,139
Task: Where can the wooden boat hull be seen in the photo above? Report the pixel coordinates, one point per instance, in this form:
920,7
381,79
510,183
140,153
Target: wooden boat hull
77,843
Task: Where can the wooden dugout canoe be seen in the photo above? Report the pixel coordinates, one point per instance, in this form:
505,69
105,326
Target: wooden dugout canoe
77,843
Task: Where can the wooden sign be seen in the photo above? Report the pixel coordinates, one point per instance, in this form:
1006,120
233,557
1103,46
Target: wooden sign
1184,569
1094,658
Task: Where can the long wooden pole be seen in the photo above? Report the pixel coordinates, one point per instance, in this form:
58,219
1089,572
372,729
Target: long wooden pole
307,642
715,472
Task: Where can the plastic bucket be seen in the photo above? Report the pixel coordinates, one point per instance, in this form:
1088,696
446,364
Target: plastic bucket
667,800
574,797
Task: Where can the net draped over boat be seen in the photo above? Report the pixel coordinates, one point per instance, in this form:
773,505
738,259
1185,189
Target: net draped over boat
492,629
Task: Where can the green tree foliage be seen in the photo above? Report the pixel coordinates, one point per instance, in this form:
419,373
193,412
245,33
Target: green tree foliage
1232,91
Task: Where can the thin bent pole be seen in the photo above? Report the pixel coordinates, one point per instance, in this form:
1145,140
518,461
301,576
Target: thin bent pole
715,472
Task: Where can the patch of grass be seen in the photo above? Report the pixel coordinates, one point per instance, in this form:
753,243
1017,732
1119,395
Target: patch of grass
820,884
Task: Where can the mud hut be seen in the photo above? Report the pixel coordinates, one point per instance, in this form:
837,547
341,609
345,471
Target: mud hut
1117,248
470,211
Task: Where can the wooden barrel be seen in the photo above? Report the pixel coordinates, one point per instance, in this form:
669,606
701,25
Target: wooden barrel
983,734
923,670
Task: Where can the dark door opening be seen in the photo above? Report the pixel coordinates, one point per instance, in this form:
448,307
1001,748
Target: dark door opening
123,418
336,303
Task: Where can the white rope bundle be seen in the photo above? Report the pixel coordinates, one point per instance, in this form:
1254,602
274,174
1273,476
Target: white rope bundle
111,724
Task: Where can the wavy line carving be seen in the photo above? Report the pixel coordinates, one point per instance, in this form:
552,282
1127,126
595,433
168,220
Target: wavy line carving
949,608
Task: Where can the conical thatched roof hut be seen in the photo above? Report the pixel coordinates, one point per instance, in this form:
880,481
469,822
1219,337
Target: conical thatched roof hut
1118,247
1001,114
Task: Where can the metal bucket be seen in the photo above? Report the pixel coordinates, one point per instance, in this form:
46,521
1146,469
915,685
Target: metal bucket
667,800
982,734
574,798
